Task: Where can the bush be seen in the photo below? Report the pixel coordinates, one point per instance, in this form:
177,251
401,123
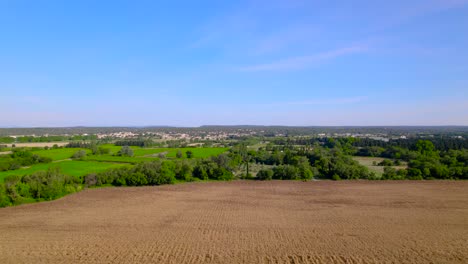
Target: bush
125,151
90,180
4,200
265,174
385,163
136,179
286,172
80,154
103,150
336,177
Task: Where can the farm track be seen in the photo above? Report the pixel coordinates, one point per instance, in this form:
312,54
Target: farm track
245,222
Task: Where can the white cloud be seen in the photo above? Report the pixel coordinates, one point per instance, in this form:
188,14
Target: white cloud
305,61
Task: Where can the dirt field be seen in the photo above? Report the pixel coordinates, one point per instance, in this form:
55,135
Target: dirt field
37,144
245,222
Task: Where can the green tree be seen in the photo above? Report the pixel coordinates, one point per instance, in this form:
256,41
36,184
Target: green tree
425,147
126,151
80,154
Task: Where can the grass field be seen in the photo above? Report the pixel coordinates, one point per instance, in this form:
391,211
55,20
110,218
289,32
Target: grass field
369,161
110,158
97,163
73,168
171,152
58,154
197,152
245,222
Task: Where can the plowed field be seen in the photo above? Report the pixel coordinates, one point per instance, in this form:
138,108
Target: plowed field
245,222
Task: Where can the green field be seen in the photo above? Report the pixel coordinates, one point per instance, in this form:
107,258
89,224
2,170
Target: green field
110,158
369,163
58,154
171,152
73,168
148,154
98,163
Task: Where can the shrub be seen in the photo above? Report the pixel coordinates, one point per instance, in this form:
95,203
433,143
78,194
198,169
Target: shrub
103,150
136,179
285,172
4,200
336,177
125,151
90,180
80,154
265,174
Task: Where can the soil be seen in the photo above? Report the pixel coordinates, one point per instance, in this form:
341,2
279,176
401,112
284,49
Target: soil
245,222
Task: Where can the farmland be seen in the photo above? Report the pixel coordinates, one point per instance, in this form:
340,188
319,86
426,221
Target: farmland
245,222
98,163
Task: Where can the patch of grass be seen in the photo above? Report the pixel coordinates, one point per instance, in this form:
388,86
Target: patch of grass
369,163
58,154
72,168
138,152
197,152
122,159
171,152
115,149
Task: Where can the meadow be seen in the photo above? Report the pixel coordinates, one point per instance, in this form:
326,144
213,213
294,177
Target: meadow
170,152
379,170
61,157
59,154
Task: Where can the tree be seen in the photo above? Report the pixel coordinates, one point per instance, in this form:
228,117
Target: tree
179,154
189,154
425,147
126,151
103,150
80,154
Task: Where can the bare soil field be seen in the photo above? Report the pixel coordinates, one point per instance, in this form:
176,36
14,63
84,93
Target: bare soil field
37,144
245,222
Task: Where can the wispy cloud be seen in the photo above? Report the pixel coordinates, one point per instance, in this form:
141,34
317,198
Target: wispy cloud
285,38
300,62
323,101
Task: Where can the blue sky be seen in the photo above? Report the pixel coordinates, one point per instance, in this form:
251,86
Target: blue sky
190,63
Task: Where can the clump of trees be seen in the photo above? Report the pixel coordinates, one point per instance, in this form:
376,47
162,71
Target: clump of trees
39,186
135,142
125,151
160,172
21,157
300,163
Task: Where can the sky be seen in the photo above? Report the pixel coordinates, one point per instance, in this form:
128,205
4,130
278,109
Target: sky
258,62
